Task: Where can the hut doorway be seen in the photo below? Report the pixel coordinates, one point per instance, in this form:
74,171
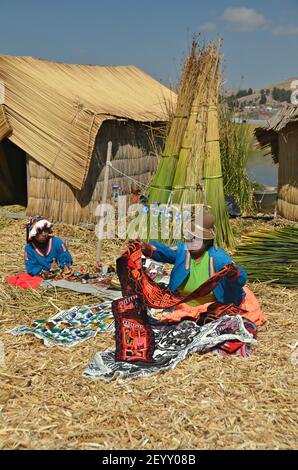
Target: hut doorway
13,174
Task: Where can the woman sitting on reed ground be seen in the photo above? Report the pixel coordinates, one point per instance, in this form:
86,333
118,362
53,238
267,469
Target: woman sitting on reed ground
43,250
195,261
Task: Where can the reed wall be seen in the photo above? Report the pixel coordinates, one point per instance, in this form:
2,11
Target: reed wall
134,152
287,203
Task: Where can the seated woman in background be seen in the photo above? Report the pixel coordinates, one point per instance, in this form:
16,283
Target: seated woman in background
195,261
43,250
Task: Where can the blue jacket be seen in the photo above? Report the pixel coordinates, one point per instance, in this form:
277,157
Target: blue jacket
227,291
35,261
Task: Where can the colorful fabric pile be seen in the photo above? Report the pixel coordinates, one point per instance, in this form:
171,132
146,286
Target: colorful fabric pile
134,280
72,326
173,343
250,309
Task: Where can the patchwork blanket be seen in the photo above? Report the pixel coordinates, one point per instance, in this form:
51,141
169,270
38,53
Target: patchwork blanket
173,344
72,326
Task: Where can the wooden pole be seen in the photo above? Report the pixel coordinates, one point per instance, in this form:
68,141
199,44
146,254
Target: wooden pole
103,201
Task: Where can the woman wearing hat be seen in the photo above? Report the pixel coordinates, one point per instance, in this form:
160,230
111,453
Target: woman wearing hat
195,261
42,249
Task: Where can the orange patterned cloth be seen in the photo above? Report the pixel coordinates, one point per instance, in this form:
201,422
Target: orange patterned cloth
250,304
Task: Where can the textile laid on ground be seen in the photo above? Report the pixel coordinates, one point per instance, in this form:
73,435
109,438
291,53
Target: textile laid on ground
24,281
173,344
216,310
134,280
250,305
92,289
72,326
134,335
238,348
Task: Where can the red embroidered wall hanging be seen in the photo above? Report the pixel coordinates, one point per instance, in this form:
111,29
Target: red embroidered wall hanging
134,336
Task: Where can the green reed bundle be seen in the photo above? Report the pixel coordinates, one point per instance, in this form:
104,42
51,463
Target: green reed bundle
235,147
190,163
191,160
270,255
212,172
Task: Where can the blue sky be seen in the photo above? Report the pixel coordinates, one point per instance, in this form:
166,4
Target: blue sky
260,38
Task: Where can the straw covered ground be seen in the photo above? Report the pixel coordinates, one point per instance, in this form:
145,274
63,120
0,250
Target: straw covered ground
207,402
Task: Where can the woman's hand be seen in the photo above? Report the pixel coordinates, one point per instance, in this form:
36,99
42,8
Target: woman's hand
233,272
46,274
146,249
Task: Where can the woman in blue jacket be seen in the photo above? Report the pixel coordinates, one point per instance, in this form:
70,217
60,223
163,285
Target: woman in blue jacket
42,248
194,262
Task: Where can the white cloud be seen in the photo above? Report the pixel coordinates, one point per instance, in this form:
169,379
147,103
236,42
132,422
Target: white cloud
285,30
244,19
209,26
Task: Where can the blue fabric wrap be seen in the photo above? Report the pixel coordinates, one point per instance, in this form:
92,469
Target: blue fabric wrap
35,262
227,291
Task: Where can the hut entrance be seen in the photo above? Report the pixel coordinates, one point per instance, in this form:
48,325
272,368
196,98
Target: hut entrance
13,174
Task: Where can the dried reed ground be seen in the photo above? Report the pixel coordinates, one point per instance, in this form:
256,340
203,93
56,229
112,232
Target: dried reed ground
207,402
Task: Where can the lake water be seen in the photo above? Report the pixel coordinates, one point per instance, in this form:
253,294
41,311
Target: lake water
261,168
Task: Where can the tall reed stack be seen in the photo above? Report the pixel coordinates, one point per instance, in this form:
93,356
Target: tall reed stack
190,171
161,184
213,178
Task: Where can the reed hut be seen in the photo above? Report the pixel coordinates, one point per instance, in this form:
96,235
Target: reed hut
55,122
280,136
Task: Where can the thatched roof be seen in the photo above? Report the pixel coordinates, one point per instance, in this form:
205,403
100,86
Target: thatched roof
5,128
56,109
282,123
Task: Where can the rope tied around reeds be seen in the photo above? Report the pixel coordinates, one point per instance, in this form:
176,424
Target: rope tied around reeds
212,177
160,188
169,156
181,117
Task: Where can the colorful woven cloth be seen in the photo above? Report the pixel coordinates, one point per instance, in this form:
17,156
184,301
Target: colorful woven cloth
24,281
173,344
134,280
134,335
72,326
250,309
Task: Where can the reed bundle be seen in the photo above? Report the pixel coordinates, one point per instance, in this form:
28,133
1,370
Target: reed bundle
192,151
214,190
270,255
162,182
191,156
235,147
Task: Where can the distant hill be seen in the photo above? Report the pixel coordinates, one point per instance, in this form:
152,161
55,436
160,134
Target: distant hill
260,103
285,84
